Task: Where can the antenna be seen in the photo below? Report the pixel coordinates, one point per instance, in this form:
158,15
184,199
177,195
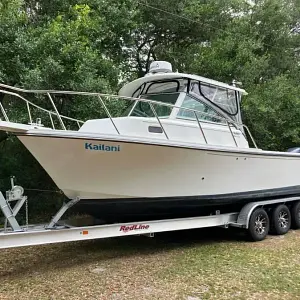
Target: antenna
236,83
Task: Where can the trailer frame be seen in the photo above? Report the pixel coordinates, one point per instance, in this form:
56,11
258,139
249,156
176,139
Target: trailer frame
54,232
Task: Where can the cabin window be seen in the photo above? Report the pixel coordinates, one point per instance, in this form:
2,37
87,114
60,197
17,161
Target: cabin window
143,109
162,87
223,98
203,111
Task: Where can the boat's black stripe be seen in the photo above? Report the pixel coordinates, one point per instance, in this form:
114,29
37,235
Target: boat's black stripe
116,210
216,199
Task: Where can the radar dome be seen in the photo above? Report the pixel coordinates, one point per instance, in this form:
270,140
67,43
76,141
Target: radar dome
160,67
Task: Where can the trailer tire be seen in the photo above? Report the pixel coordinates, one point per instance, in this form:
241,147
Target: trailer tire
295,215
259,225
281,220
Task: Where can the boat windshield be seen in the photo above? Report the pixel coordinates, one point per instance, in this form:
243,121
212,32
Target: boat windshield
143,109
223,98
212,102
204,112
163,91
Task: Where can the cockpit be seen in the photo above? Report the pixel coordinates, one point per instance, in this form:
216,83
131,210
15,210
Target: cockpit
178,107
213,103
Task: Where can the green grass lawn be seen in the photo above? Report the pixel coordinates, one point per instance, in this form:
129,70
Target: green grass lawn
191,265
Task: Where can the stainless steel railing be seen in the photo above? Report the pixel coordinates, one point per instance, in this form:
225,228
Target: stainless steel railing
8,90
29,104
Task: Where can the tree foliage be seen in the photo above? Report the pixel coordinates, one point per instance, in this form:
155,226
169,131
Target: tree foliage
97,45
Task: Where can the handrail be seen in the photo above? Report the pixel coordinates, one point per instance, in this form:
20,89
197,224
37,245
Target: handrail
108,113
109,96
228,124
154,111
3,112
57,113
199,124
114,97
249,132
34,105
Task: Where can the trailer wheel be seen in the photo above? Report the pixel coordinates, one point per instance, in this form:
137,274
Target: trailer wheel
259,225
281,220
295,215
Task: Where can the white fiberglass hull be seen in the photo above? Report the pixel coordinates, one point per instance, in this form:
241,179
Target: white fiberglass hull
102,169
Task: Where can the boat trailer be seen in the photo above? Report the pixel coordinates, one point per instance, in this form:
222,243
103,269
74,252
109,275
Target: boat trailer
256,217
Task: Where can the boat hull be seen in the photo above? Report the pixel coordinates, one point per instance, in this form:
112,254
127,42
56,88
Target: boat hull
118,178
141,209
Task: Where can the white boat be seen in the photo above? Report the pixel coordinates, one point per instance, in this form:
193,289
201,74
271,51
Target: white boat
181,148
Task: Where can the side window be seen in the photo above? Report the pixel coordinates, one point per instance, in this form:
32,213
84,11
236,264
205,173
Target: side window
159,87
224,98
143,109
203,111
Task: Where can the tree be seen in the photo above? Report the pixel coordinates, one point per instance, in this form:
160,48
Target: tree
13,44
98,46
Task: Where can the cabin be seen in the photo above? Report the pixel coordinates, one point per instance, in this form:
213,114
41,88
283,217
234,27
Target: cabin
179,107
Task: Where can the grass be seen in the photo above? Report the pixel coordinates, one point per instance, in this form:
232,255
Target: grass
191,265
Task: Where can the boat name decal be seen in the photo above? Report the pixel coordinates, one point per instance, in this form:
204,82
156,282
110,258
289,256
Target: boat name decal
102,147
125,228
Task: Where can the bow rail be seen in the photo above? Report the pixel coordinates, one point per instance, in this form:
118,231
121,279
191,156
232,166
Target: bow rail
15,92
